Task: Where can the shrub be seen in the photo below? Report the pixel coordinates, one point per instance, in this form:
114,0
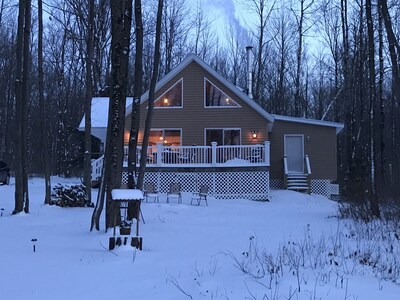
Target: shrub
70,196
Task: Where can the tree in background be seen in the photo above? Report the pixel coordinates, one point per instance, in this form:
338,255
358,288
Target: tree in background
22,96
87,169
146,134
135,114
43,118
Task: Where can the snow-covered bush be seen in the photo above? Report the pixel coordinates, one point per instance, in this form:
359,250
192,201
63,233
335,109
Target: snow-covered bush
70,196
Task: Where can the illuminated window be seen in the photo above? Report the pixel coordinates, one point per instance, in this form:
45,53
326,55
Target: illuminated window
214,97
172,97
169,137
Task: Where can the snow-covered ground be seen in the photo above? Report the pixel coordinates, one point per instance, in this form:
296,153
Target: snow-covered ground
190,252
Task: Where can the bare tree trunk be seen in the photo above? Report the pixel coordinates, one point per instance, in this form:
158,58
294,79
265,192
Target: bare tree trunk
87,178
22,94
25,97
372,96
143,157
297,96
382,146
45,153
393,53
19,182
393,45
135,117
121,17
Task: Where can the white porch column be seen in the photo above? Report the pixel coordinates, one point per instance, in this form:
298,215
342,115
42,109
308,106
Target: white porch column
214,153
267,152
160,148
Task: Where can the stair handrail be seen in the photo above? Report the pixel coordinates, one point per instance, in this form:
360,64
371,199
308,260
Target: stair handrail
285,171
307,159
308,167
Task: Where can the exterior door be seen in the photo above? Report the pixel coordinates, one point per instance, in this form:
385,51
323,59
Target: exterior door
294,151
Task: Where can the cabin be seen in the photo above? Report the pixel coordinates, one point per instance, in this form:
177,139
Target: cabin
207,131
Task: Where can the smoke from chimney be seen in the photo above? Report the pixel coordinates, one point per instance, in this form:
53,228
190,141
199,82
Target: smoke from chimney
228,10
249,55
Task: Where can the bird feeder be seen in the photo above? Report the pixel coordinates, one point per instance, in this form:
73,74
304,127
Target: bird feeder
121,200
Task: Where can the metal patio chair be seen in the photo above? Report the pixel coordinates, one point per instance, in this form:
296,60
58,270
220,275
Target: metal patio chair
149,191
201,195
174,192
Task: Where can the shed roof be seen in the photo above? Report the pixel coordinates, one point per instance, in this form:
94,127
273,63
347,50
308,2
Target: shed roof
338,126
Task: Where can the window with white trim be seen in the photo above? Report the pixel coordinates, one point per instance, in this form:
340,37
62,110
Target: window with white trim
172,97
214,97
169,137
223,136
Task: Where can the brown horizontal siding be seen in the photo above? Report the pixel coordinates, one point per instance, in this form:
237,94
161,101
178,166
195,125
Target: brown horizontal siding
321,148
194,117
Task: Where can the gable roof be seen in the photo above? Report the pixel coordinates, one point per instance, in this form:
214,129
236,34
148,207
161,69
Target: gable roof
338,126
101,104
194,58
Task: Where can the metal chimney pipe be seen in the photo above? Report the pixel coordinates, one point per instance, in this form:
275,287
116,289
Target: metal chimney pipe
249,54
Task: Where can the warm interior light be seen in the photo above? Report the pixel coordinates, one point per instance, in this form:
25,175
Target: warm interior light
254,134
166,101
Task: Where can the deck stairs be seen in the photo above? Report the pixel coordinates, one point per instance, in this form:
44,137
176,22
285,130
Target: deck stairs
298,182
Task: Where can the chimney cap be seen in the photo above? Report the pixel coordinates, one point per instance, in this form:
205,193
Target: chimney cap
249,47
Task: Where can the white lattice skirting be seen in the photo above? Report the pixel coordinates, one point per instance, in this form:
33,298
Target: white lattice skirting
223,185
318,186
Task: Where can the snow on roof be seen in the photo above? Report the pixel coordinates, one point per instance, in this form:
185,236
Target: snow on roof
100,112
338,126
126,194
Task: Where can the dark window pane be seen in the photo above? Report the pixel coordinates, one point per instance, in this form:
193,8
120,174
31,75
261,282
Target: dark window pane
231,137
214,135
215,97
172,98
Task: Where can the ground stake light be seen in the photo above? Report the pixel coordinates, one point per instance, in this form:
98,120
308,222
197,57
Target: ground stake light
34,244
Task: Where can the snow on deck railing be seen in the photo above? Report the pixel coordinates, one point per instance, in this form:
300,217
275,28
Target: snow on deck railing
206,156
198,156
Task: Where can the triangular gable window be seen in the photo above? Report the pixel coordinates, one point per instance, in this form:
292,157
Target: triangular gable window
172,97
214,97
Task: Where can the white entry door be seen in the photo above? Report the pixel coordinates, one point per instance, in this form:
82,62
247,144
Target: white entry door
294,151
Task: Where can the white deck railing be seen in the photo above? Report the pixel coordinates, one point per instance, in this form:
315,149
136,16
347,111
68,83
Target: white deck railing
197,156
205,156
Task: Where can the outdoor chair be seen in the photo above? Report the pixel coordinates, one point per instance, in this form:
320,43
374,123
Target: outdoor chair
149,191
201,195
174,192
187,158
255,155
